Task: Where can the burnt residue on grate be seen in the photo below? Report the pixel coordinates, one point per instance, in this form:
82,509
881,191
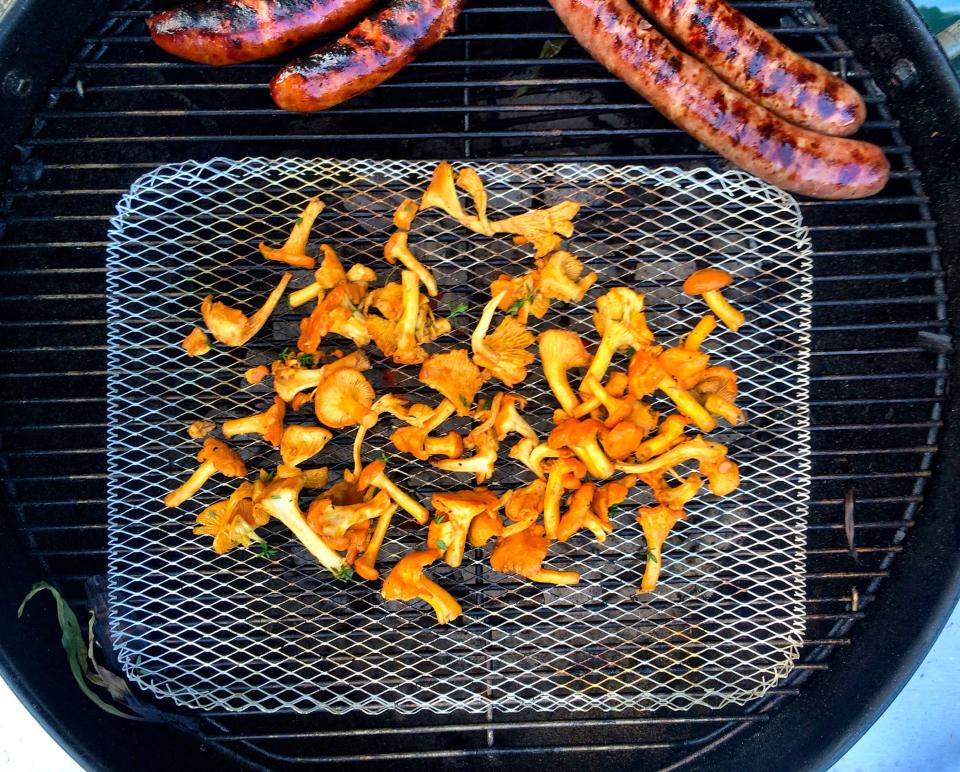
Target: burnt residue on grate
124,107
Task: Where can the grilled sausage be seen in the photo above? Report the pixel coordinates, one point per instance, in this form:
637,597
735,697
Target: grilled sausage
720,117
373,51
231,31
758,65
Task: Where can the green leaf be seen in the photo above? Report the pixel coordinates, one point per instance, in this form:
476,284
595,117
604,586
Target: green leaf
270,474
72,642
285,353
275,496
551,48
485,404
299,221
384,457
264,550
439,518
305,360
652,558
456,309
343,574
464,402
613,512
441,545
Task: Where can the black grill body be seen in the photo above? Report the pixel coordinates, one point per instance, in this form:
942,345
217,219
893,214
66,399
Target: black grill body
90,104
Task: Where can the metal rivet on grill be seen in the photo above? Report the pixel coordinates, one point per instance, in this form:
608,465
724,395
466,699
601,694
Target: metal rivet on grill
904,73
16,83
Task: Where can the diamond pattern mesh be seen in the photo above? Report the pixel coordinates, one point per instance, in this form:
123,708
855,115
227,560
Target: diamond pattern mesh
244,632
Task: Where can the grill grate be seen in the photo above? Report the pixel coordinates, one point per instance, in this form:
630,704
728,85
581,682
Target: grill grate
877,286
726,622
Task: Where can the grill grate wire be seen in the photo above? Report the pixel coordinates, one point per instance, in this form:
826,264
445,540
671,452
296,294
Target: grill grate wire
876,390
726,623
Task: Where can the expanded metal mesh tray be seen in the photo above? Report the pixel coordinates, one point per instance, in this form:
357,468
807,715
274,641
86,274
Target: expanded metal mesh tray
245,632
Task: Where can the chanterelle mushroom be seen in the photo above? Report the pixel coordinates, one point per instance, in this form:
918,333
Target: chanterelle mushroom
406,582
215,456
454,376
232,522
561,278
344,399
301,443
580,436
454,511
374,475
621,322
279,500
268,424
294,251
708,282
561,350
656,523
524,552
230,325
503,353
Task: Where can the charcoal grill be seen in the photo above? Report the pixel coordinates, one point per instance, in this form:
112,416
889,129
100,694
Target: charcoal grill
90,105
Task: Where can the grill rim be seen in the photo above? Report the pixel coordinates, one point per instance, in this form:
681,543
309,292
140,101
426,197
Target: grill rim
929,63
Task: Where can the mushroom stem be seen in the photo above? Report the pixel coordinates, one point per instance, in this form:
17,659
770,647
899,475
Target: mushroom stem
651,573
194,483
729,315
365,564
687,405
550,576
305,294
699,333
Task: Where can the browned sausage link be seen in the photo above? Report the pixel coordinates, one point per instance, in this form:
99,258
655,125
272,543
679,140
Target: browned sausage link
232,31
720,117
753,61
373,51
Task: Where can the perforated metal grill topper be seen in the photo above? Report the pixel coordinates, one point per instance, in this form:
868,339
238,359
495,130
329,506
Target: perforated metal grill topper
249,632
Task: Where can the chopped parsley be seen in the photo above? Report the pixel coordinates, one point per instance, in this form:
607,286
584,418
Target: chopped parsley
343,574
441,545
384,457
264,550
439,518
464,402
519,303
275,496
305,360
456,309
652,558
285,353
270,474
613,511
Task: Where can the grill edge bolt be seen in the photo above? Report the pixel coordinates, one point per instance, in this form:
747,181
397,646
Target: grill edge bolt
904,73
16,83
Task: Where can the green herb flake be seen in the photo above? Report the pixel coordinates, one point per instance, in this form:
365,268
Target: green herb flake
631,351
519,303
439,518
299,221
285,353
271,474
384,457
441,545
264,550
485,404
464,402
275,496
551,48
305,360
343,574
456,309
652,558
